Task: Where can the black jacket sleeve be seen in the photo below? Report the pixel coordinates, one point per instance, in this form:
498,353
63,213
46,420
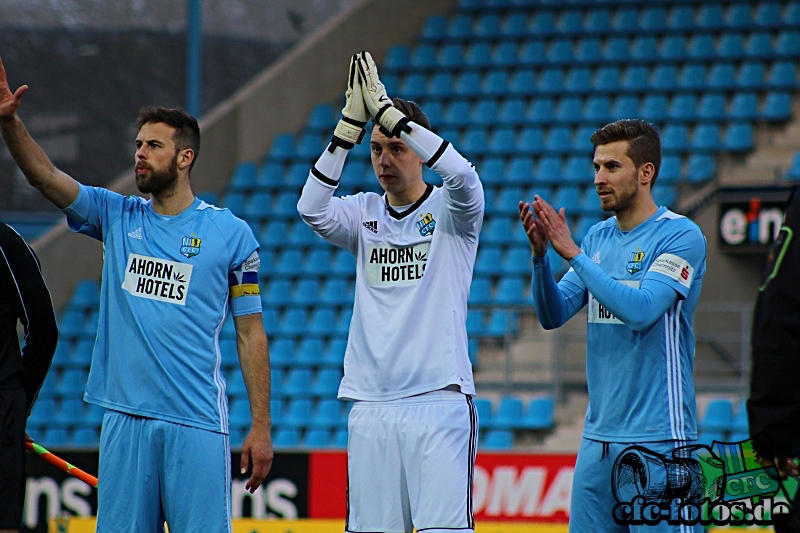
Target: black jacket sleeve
24,297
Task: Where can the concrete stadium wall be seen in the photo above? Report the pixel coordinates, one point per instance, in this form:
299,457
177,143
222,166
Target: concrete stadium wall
242,127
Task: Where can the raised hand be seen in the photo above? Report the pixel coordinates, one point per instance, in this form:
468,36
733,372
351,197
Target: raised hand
9,102
556,227
350,129
537,236
377,101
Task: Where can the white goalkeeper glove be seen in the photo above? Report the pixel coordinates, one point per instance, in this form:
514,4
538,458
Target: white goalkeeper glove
350,129
379,105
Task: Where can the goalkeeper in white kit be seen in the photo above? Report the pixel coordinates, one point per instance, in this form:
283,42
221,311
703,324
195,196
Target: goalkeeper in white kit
413,427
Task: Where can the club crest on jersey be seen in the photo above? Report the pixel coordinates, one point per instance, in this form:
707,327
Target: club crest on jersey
635,262
426,225
190,246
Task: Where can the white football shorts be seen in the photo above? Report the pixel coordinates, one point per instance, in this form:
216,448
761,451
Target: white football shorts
411,463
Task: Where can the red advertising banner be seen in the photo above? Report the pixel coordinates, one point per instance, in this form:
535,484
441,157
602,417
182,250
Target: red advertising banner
511,487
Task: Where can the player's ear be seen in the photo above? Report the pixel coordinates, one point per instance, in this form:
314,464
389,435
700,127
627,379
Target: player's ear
646,173
185,158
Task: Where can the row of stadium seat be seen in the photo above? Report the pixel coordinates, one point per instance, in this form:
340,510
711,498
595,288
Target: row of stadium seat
637,79
653,17
590,51
721,424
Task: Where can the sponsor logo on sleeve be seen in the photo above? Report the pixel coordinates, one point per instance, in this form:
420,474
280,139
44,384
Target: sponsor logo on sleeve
154,278
391,265
252,263
674,267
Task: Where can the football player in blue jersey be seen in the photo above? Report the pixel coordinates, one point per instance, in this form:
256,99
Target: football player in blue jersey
174,266
640,273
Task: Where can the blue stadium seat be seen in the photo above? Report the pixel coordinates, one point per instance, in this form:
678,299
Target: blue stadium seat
86,295
702,47
767,15
579,81
625,20
570,22
297,173
281,352
502,323
683,108
589,51
339,438
722,76
533,53
498,231
517,262
298,382
751,75
328,415
483,406
692,77
511,291
520,170
712,107
560,52
515,25
706,138
474,143
625,106
476,323
414,86
488,261
551,81
478,55
511,112
710,17
636,78
522,82
509,413
423,57
502,142
497,439
777,107
740,423
84,438
681,17
288,262
72,383
505,55
666,196
541,111
584,224
488,26
297,413
578,169
397,57
54,438
306,292
326,383
310,146
673,48
434,29
282,148
654,108
617,50
71,324
451,56
670,171
343,322
235,386
81,354
744,106
759,46
568,197
701,168
322,118
738,137
548,170
333,356
273,234
787,44
460,28
608,79
440,85
731,46
718,416
569,110
343,263
664,78
558,140
317,438
782,75
539,414
336,291
495,83
293,322
543,23
457,113
653,19
793,172
675,138
597,109
285,438
322,322
645,49
596,20
709,437
270,177
69,413
791,15
43,411
480,291
739,17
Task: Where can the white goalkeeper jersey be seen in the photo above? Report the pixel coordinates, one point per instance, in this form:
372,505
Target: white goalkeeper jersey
414,269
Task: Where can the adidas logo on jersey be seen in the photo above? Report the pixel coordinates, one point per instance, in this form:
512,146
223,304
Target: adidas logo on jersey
372,225
596,258
136,234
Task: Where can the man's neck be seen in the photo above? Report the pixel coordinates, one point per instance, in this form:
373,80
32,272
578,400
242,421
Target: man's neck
407,197
172,202
636,214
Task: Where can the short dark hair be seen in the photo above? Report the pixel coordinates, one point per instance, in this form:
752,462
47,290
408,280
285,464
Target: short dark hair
412,111
187,132
644,143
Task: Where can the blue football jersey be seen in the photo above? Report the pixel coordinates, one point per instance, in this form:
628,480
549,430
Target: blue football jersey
168,283
640,382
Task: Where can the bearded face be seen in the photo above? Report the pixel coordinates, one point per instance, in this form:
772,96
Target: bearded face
156,181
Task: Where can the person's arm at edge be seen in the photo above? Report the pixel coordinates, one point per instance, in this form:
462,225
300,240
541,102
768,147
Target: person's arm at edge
58,187
39,320
251,341
555,303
